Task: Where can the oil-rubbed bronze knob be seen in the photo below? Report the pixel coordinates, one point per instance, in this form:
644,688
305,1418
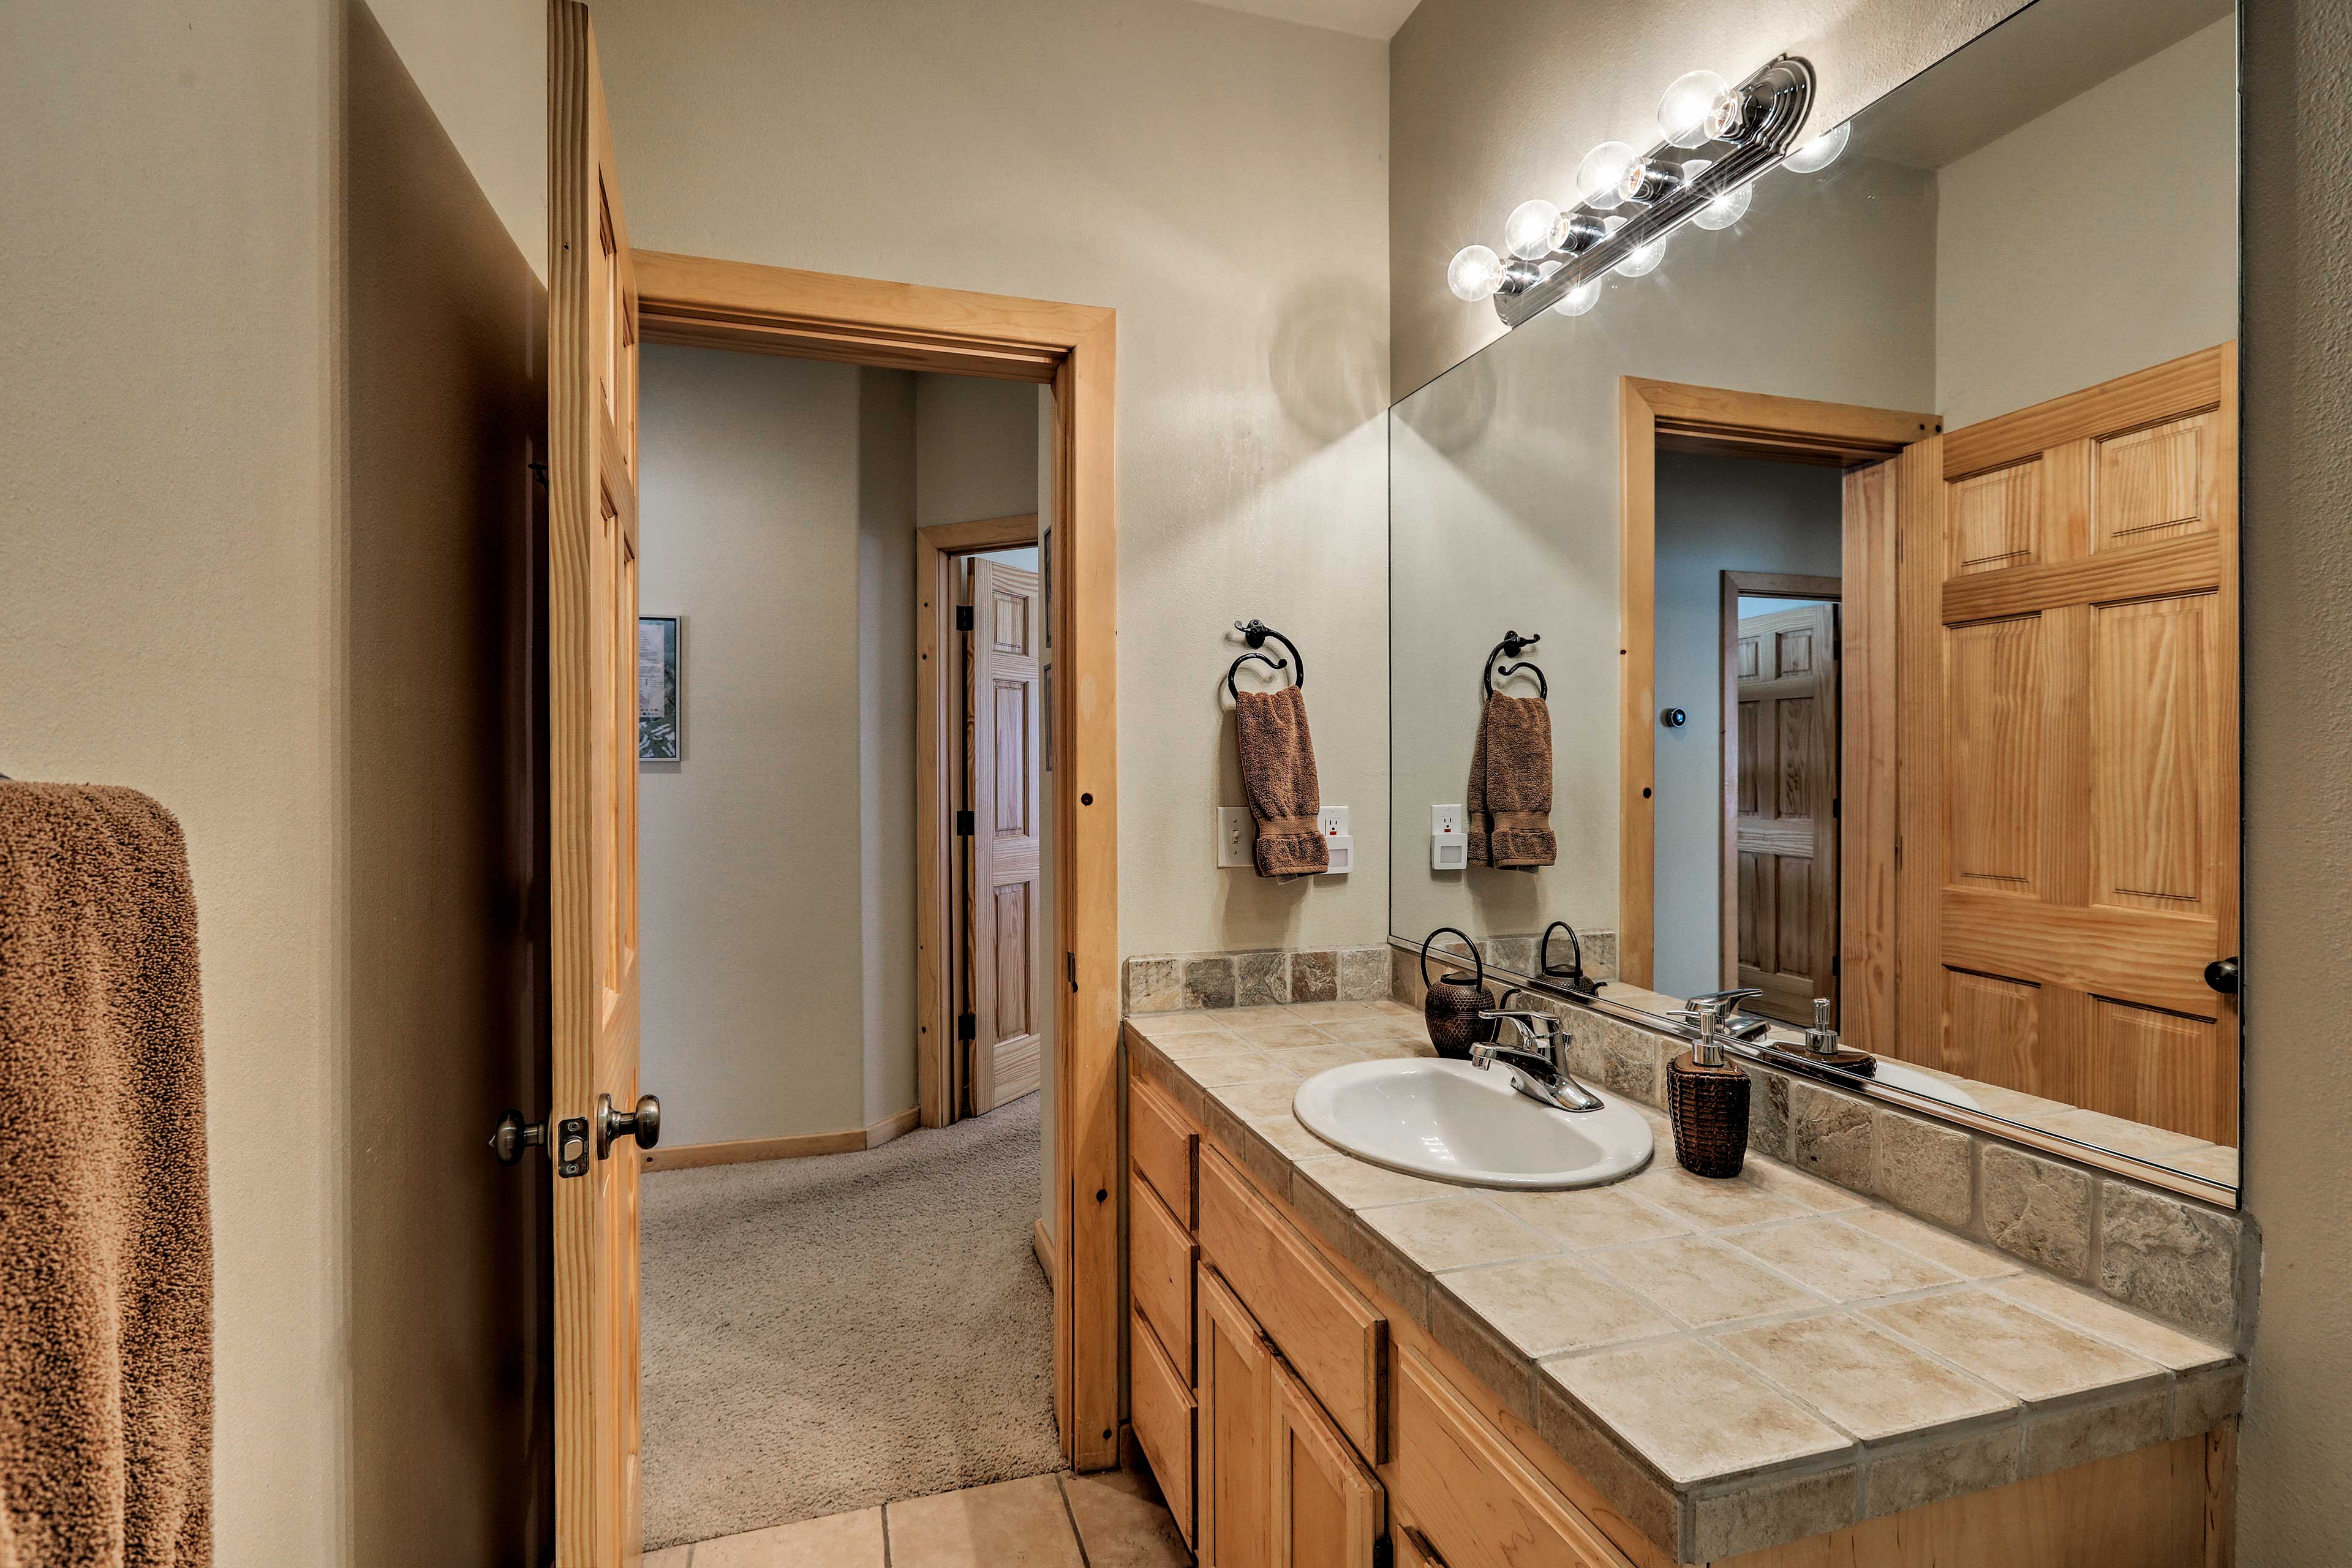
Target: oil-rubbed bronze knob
2221,975
512,1135
644,1125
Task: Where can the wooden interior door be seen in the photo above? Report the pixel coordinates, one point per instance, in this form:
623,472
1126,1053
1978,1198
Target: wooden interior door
1328,1507
2070,764
591,637
1781,772
1233,1480
1004,882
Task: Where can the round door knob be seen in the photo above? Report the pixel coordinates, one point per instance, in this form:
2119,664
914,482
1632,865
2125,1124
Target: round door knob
512,1135
644,1123
2221,975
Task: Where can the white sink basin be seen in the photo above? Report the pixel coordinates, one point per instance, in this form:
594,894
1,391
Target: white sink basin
1450,1121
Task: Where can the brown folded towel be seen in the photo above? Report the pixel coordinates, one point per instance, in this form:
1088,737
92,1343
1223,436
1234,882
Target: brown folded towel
105,1245
1278,777
1475,823
1511,781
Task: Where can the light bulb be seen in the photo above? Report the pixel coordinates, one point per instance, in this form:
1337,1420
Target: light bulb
1644,259
1598,176
1726,209
1726,117
1685,113
1822,151
1474,273
1529,232
1579,299
1647,181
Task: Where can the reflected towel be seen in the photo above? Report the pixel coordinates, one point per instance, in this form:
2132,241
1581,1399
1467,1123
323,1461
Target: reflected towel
105,1243
1278,779
1511,779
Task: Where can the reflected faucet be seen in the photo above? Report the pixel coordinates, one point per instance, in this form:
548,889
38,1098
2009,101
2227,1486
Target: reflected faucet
1733,1026
1540,1071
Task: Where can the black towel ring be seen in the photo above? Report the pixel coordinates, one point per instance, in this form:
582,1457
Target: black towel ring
1256,633
1512,645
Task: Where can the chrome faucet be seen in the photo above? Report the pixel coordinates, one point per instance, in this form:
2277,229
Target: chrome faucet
1540,1071
1726,1005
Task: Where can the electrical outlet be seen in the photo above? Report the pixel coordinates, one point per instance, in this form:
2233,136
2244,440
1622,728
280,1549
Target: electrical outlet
1449,847
1445,819
1333,821
1236,836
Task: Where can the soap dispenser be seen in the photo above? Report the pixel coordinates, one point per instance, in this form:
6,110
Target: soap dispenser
1823,1048
1707,1099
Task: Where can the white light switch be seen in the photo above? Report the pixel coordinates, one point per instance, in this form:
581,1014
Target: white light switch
1236,836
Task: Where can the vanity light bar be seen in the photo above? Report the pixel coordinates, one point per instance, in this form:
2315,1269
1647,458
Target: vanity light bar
1720,141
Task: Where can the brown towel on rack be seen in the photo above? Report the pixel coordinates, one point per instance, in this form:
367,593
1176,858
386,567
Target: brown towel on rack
1511,785
1278,778
105,1243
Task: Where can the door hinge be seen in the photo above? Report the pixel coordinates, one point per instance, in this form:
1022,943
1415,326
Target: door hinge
963,824
1070,967
1836,801
963,617
1833,966
967,1026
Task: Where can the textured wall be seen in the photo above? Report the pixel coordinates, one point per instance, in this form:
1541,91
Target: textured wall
2294,1508
1217,178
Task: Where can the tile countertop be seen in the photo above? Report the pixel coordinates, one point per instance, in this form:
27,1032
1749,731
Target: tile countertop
1737,1364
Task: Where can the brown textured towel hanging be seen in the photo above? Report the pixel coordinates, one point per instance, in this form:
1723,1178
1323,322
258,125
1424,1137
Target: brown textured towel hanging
105,1243
1278,778
1511,785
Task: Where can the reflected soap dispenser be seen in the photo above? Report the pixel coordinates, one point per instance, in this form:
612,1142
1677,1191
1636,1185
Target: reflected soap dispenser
1823,1048
1706,1100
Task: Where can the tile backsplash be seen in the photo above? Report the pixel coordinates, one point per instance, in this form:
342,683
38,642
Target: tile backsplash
2182,1260
1178,982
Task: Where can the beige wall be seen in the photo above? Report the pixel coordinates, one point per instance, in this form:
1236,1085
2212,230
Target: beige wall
1457,61
2116,209
976,444
1217,178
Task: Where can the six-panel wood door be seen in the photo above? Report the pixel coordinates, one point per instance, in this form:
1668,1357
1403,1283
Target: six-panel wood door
1328,1507
1004,880
1234,1475
2070,785
591,738
1785,746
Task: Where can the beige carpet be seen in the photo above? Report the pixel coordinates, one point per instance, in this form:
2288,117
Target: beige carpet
828,1334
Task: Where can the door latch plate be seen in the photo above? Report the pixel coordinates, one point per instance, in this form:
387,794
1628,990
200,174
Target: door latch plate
572,1146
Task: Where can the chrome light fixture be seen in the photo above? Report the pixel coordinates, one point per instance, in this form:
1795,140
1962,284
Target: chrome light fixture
1555,258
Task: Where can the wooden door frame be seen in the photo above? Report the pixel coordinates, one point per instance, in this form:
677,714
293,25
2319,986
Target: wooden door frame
938,1089
1655,416
1738,585
1073,348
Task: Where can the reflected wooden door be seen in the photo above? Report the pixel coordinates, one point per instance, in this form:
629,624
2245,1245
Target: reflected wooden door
591,739
1003,880
2070,838
1783,756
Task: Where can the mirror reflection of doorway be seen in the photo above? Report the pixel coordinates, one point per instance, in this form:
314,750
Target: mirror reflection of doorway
1780,742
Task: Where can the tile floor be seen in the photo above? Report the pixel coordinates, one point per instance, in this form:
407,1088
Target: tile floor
1114,1520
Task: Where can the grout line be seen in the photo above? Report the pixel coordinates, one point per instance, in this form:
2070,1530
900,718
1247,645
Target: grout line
1062,1490
884,1511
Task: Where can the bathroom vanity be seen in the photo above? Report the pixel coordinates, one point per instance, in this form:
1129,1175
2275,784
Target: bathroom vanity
1327,1356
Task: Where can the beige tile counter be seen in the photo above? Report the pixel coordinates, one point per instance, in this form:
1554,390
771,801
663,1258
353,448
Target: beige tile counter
1737,1364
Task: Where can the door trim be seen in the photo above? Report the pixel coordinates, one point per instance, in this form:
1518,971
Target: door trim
1655,416
938,1092
1738,585
1073,349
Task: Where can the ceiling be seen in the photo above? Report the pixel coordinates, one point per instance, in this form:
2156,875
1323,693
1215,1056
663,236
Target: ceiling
1365,18
2039,58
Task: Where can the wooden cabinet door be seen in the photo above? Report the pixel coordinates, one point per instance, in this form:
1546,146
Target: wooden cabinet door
2069,748
1004,883
1784,828
1328,1508
592,811
1234,1475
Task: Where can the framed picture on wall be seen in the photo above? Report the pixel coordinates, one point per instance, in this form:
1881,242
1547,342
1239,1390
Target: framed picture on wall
657,691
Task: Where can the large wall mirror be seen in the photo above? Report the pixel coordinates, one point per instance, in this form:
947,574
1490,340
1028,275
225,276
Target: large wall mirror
1874,562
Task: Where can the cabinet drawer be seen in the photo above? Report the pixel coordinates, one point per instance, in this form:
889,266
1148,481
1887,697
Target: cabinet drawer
1159,1255
1470,1493
1335,1338
1161,1411
1162,1145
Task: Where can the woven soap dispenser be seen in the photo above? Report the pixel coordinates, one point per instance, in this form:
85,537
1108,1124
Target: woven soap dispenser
1706,1098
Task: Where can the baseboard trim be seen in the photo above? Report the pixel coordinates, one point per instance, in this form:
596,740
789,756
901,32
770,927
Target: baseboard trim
1042,1245
743,1151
